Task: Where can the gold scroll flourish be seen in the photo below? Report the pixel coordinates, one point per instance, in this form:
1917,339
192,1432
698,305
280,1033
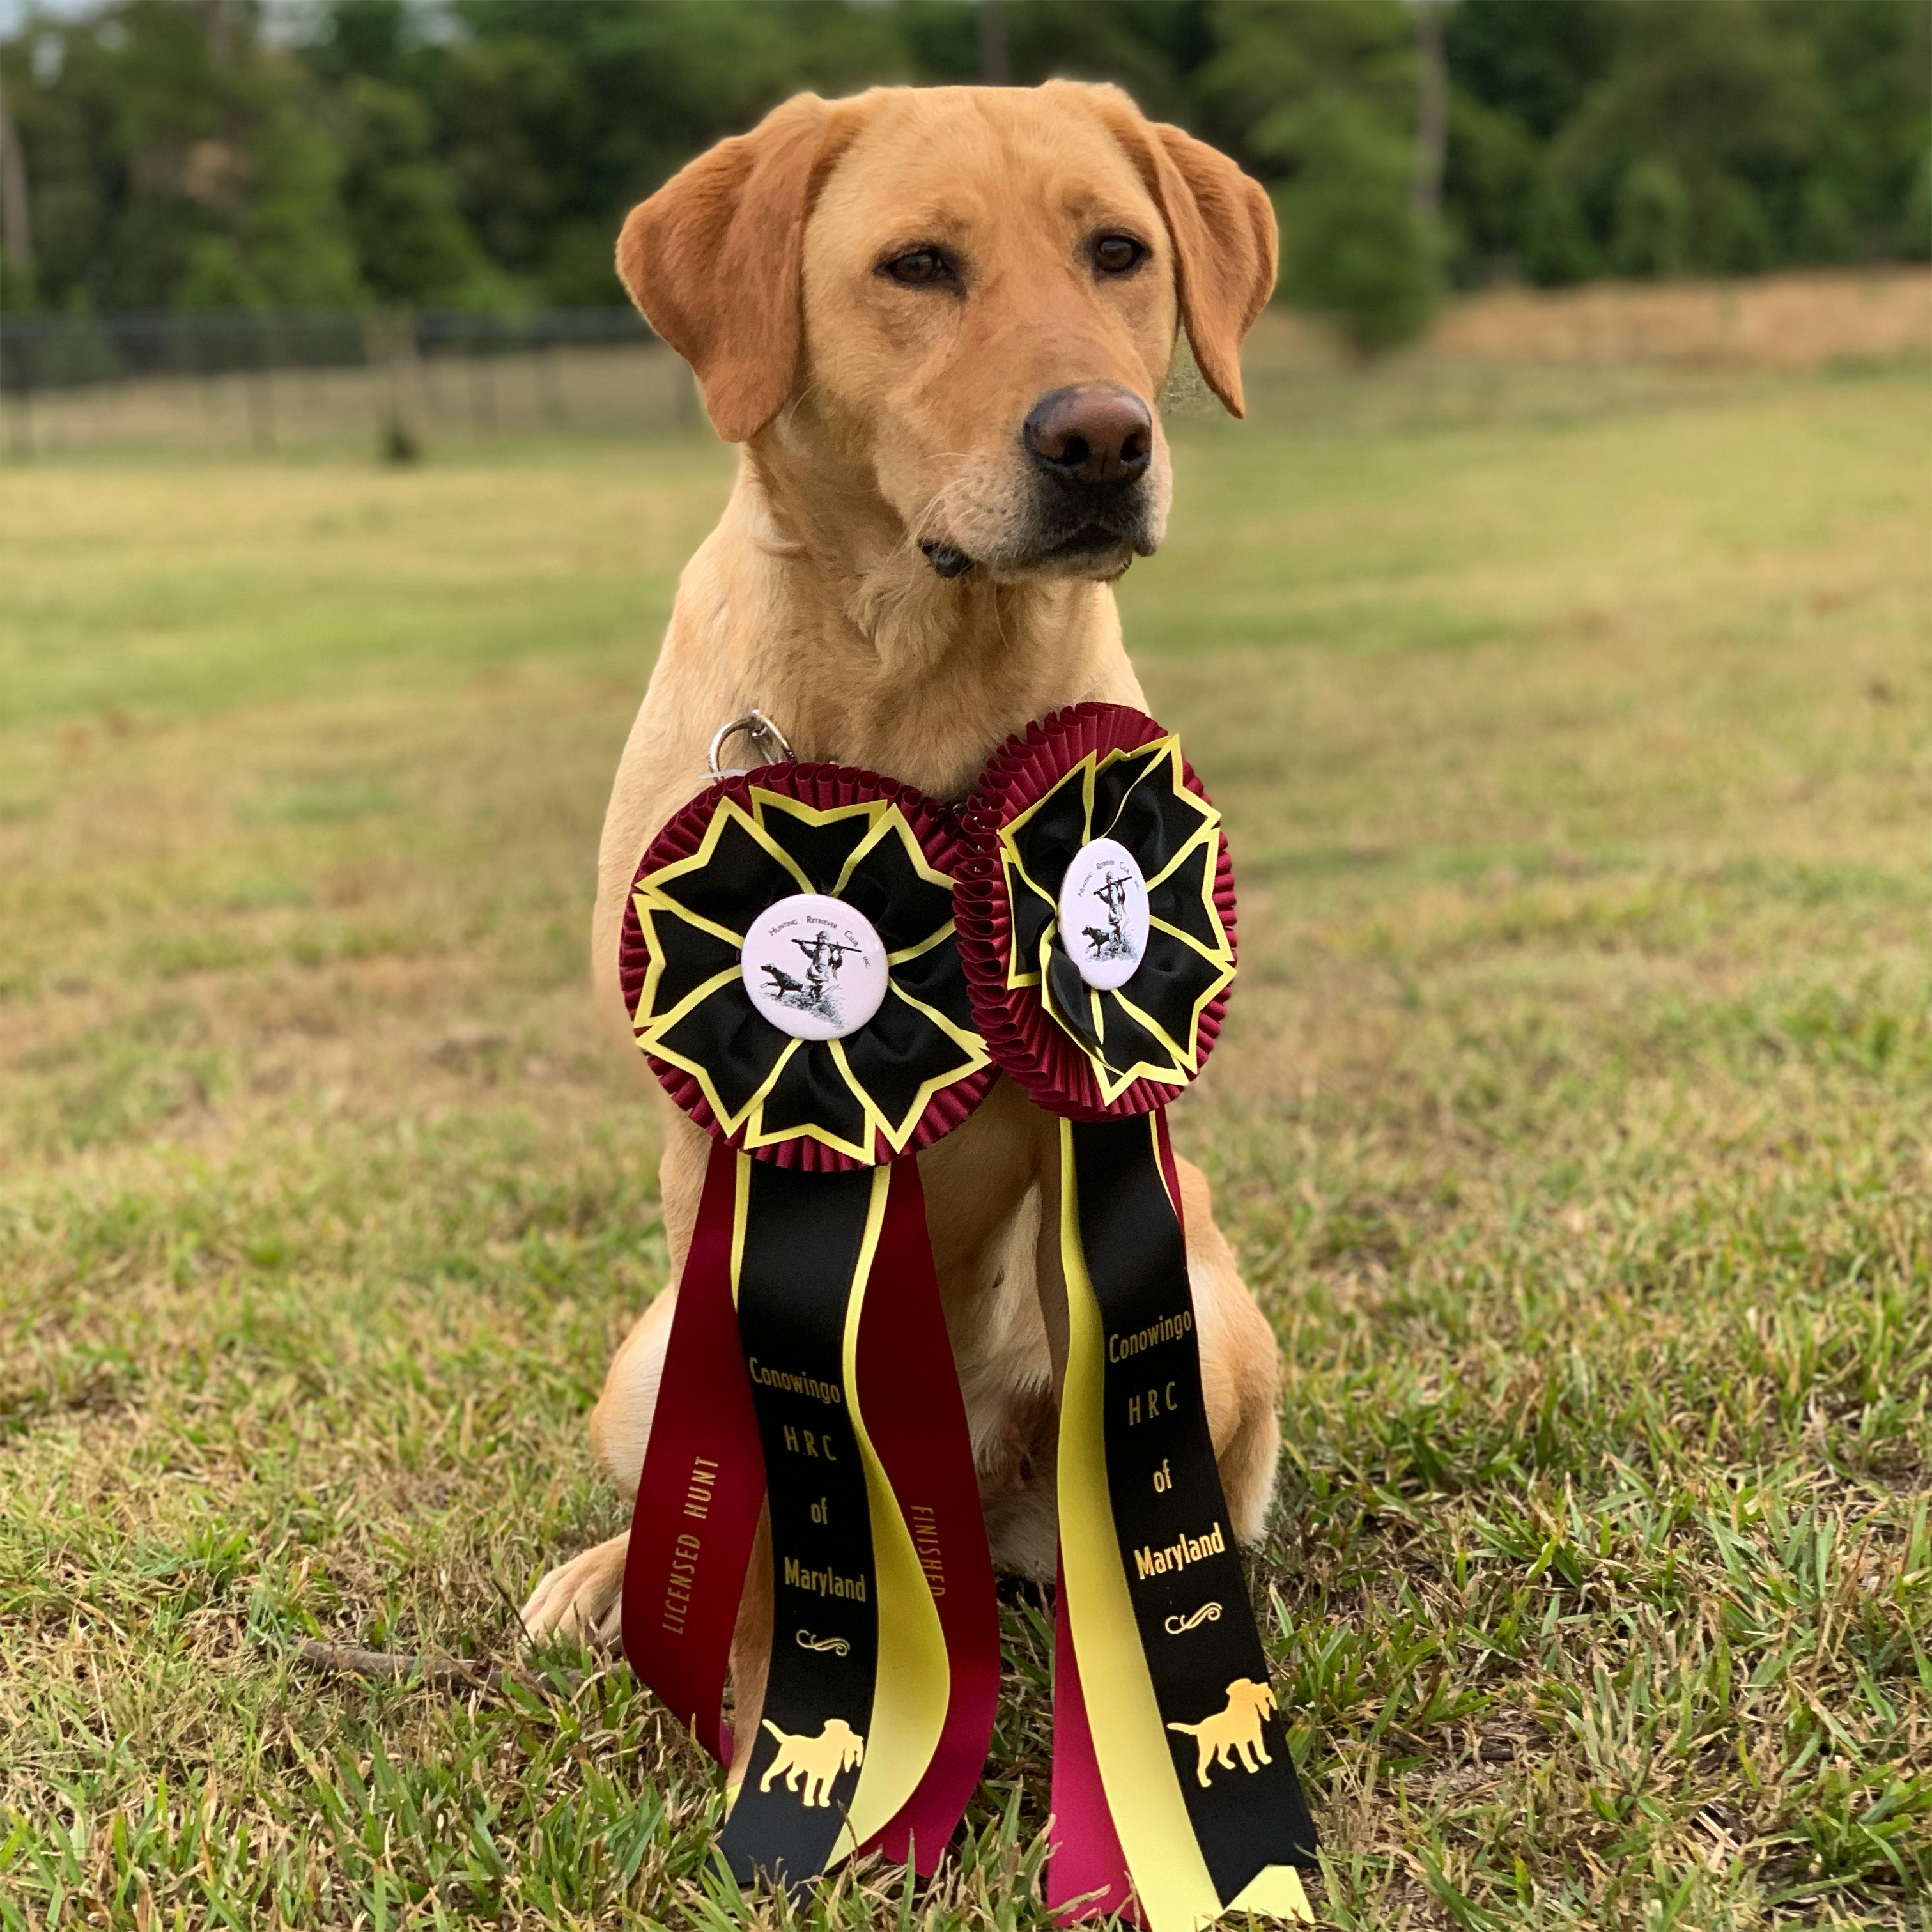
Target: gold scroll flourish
837,1646
1208,1613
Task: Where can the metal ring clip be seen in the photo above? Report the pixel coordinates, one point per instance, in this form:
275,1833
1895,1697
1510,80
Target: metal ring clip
763,733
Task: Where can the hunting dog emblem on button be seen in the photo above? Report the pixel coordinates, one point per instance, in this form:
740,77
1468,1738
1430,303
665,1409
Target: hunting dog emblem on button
814,968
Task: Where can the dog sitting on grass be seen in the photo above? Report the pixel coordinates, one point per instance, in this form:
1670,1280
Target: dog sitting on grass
937,321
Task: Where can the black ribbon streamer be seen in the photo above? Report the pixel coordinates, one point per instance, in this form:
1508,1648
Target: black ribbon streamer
1177,1545
803,1235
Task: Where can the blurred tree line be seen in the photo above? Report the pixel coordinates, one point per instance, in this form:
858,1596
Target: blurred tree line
223,153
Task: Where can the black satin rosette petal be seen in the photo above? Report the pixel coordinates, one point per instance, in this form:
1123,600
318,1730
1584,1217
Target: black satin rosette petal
1093,771
911,1073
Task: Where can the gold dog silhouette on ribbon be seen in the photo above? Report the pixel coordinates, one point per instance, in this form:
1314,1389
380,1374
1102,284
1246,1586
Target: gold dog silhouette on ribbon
1237,1728
818,1761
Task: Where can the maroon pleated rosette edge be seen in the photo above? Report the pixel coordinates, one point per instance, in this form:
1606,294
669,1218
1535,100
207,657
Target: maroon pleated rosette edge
942,839
1025,1040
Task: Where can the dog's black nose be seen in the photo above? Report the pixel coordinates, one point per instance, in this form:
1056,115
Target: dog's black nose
1091,432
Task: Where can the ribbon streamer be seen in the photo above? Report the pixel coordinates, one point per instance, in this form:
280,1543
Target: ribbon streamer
1190,1745
917,1418
1087,1874
804,1245
701,1487
1097,928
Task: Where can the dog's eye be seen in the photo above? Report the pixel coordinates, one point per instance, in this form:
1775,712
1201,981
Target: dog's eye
1117,254
918,267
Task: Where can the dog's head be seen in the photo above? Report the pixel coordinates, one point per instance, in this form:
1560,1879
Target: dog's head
968,299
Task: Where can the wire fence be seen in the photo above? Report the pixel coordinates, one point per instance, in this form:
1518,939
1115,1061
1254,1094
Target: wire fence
272,381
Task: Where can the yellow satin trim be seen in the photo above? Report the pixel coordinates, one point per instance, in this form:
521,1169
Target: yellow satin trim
1164,1859
915,1681
1276,1892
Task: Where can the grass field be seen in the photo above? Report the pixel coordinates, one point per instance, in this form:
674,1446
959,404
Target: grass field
1574,731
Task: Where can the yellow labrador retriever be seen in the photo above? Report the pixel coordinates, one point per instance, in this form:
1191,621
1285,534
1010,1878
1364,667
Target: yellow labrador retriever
937,321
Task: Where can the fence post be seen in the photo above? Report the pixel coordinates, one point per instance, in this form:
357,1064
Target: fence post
482,390
207,368
550,383
20,435
389,344
313,406
262,392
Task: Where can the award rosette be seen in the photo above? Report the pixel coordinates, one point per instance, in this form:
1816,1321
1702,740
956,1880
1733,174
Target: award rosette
790,964
1096,929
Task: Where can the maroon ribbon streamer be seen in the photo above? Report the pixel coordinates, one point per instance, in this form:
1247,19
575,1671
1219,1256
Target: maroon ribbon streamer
1087,1875
701,1487
909,1394
703,1483
1169,1172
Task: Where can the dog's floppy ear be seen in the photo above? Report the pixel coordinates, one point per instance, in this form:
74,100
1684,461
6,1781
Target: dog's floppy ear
712,260
1222,227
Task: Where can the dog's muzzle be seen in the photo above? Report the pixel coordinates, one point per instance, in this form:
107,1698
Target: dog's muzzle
1087,497
1089,449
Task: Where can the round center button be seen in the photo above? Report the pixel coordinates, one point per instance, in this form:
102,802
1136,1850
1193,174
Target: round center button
1103,914
817,970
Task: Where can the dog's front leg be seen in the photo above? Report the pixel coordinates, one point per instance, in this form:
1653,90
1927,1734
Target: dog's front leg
1240,1363
752,1649
582,1598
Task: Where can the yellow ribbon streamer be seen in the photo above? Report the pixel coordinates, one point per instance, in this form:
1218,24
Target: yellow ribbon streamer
915,1682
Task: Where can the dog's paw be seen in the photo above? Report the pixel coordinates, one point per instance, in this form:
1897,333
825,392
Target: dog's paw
582,1600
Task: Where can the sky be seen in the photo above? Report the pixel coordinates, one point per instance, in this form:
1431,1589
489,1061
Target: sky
14,14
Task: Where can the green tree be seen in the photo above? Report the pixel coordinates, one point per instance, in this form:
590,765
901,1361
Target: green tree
411,239
1322,99
1532,62
520,124
1725,93
1492,168
1825,232
1916,241
1558,247
1793,128
1272,64
1653,220
375,39
1739,238
1520,69
1354,249
1874,62
660,83
170,162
